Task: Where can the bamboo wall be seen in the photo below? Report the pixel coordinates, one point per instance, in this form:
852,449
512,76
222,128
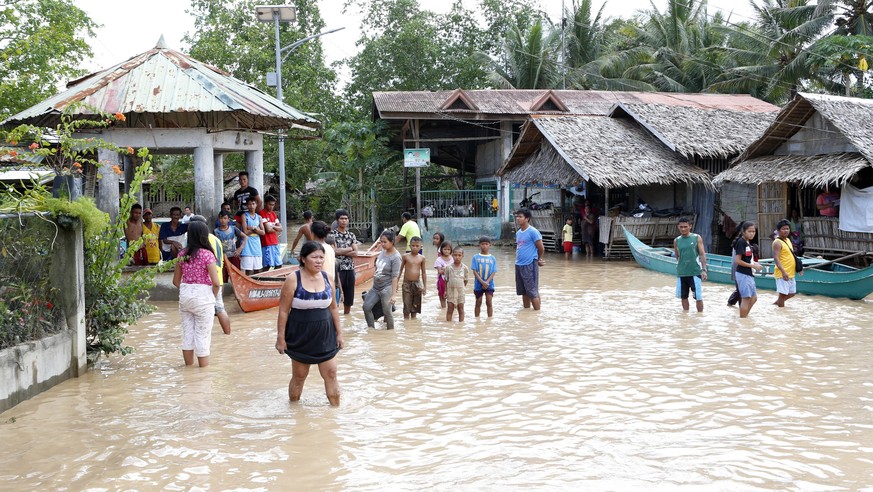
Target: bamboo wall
822,236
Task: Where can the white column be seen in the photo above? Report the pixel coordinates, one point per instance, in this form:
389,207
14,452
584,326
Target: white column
204,181
255,167
108,197
218,169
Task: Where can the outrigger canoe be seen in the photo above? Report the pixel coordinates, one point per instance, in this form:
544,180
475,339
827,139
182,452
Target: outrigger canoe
820,277
261,291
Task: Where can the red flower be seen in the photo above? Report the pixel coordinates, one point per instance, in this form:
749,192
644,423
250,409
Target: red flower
130,149
120,117
13,153
49,305
33,146
116,169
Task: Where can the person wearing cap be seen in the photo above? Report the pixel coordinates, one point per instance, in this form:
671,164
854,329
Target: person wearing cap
150,231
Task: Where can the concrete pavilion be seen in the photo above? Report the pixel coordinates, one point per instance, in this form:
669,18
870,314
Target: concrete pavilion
173,104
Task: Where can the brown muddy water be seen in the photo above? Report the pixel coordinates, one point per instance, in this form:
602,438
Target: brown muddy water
609,387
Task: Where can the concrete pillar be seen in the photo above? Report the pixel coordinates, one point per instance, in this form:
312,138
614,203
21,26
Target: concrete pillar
255,167
505,150
68,273
218,169
204,181
130,164
108,197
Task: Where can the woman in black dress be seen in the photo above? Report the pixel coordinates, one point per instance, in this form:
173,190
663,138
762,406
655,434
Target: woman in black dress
308,328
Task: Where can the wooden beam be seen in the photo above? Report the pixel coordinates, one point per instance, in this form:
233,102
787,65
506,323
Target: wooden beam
450,139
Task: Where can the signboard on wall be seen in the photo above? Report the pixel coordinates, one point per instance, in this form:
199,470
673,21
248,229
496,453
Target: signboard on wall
416,157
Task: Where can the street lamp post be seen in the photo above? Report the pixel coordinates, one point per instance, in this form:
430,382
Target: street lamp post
277,14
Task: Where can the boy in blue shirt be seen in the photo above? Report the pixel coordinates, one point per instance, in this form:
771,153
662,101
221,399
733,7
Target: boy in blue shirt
484,268
528,260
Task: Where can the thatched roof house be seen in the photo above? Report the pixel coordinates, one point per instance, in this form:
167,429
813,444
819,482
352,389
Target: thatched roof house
705,132
814,141
609,152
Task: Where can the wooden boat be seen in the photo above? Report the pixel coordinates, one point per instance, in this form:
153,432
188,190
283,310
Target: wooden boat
261,291
820,277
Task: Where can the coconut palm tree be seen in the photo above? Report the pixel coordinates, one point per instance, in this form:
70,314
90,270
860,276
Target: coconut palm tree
528,59
852,17
770,58
668,51
585,63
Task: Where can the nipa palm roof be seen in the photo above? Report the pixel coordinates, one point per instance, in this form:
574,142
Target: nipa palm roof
851,116
712,132
163,88
610,152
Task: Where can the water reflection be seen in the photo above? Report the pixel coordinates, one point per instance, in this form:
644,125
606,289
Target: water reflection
610,386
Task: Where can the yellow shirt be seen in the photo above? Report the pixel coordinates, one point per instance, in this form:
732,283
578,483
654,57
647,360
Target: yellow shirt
153,250
219,256
568,233
786,257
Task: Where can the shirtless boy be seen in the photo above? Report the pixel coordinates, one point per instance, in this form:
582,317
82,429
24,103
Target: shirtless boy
133,232
414,279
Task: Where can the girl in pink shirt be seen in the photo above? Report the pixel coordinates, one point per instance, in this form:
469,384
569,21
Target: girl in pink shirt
196,276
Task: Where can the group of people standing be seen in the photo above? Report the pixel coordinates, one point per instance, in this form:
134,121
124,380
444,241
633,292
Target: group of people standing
309,326
691,265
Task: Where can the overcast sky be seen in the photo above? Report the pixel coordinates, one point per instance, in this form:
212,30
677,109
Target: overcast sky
131,27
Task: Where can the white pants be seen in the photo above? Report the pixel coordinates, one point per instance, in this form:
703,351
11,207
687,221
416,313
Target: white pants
197,310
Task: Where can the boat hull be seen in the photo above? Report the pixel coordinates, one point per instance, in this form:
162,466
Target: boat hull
839,281
263,291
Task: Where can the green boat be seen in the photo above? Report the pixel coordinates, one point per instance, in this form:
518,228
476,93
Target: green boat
820,277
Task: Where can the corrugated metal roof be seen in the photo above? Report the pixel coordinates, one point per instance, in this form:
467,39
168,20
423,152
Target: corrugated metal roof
520,102
165,88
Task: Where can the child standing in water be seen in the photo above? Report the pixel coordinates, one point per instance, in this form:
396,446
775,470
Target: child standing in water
484,268
414,280
444,258
567,234
456,284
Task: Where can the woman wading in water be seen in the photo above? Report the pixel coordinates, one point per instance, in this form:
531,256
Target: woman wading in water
308,328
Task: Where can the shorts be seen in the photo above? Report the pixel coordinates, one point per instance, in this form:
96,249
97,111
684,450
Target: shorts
455,295
568,246
786,287
347,285
197,311
270,256
141,257
746,285
411,297
478,293
250,263
441,286
527,280
686,284
219,300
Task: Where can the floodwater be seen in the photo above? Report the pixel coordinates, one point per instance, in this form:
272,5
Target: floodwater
609,387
